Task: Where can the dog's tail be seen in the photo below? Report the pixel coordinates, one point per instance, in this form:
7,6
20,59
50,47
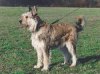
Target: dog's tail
80,23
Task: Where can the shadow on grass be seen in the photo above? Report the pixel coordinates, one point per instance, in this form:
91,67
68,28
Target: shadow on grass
89,58
55,64
94,58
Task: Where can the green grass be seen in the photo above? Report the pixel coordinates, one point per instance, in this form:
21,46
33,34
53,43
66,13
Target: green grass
18,57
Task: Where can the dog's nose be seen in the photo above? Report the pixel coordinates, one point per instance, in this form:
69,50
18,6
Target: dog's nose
20,21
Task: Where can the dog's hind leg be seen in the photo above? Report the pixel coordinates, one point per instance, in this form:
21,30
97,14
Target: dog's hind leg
39,58
72,51
66,55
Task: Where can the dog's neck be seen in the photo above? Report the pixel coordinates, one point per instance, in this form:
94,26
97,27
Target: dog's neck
40,23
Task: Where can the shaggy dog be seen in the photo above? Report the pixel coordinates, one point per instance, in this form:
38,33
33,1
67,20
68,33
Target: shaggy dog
46,37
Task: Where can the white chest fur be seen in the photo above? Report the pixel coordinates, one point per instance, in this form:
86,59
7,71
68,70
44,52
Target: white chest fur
36,43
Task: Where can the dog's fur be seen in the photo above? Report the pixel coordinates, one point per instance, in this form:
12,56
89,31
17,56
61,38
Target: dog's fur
45,37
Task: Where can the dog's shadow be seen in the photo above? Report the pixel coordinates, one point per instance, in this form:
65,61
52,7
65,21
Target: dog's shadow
86,59
83,60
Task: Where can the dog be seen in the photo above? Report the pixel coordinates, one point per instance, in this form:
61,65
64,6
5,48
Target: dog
46,37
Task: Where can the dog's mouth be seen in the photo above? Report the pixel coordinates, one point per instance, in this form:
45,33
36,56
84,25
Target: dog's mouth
23,25
26,26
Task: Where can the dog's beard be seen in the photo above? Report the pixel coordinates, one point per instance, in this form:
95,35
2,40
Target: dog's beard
31,28
32,24
24,26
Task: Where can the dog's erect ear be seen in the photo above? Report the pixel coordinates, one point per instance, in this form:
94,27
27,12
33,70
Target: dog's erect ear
34,10
30,8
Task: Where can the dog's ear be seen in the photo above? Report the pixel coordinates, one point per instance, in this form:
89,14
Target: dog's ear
30,8
34,10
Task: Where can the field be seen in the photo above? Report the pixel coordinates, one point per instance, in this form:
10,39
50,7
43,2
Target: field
18,57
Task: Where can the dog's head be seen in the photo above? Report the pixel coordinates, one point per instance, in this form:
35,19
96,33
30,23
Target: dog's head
29,19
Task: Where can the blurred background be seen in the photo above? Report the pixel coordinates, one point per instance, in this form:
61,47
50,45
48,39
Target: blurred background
52,3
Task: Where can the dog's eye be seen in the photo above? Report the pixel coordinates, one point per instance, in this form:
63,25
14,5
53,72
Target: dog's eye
26,16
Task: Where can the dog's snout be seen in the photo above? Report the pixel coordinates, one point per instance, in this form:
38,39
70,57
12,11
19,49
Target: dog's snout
20,21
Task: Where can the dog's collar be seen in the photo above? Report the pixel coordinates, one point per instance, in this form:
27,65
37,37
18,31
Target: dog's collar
35,15
40,22
39,25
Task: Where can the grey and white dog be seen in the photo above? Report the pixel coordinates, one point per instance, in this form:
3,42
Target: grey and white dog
46,37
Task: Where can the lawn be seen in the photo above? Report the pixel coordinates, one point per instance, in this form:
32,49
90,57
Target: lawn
18,57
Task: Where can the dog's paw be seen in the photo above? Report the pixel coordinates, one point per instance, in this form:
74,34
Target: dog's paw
44,69
37,66
72,65
63,63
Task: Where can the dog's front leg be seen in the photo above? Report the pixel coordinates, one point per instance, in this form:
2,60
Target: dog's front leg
45,60
39,59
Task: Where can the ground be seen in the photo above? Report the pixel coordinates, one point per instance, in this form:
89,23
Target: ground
17,56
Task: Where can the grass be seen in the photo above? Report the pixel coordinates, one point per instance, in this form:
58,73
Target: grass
18,57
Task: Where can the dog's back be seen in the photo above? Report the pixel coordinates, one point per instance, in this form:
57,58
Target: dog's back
58,34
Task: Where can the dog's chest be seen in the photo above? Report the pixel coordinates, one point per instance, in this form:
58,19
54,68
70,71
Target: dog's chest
36,43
